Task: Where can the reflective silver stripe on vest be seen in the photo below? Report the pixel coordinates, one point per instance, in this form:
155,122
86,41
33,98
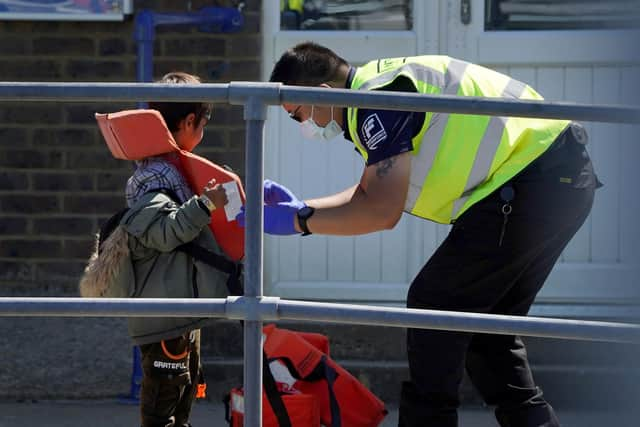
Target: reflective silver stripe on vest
488,146
419,71
421,164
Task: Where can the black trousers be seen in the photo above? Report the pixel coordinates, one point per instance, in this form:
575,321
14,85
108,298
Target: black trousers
170,374
488,266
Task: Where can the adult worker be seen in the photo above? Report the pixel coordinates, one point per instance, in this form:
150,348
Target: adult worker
515,189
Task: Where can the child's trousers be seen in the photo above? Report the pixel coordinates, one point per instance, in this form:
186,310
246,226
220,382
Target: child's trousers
171,370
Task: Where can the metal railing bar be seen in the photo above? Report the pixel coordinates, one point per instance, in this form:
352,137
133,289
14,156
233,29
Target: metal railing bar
276,94
112,92
461,104
111,307
459,321
274,309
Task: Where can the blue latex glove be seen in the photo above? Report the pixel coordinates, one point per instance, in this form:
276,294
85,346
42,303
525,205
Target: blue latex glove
240,217
278,218
278,193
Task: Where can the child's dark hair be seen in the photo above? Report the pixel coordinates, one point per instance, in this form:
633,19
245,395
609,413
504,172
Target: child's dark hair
307,64
174,112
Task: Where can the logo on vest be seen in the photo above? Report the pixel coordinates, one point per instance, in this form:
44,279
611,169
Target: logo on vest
372,132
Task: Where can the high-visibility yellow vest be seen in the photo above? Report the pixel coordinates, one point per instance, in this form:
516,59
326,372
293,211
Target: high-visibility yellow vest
458,159
295,5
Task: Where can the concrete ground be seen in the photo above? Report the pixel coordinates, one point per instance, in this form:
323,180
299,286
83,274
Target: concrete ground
111,413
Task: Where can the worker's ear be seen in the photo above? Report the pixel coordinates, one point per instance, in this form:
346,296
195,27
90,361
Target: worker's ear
188,122
325,85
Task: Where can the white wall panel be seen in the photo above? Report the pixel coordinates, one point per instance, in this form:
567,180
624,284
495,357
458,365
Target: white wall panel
395,248
524,74
550,82
605,231
367,257
630,172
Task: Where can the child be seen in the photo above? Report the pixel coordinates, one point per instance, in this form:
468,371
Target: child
164,214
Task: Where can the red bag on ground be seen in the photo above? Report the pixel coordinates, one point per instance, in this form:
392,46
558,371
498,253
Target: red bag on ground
300,366
302,409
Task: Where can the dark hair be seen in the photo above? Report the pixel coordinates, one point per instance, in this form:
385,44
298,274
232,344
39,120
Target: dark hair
307,64
174,112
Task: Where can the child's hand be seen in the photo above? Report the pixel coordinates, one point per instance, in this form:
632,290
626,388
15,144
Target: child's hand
216,193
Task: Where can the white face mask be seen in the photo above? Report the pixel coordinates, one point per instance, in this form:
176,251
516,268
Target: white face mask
311,130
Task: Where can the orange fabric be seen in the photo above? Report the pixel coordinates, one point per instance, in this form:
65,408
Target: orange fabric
303,410
282,342
137,134
173,356
202,391
198,171
358,406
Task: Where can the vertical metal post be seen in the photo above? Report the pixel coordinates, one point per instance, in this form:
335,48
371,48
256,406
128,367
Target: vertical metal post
145,34
255,113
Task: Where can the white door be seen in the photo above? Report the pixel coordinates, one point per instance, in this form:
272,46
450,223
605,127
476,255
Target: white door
376,267
568,60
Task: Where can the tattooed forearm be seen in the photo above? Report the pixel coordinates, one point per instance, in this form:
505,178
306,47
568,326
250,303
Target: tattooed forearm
383,167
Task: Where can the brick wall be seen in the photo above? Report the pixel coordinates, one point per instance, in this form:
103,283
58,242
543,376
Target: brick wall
58,182
57,178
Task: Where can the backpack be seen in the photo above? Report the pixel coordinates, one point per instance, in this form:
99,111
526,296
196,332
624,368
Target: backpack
109,270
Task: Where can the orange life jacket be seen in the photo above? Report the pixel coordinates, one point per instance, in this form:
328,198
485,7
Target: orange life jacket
300,365
137,134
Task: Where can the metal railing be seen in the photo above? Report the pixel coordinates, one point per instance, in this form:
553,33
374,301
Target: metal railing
255,308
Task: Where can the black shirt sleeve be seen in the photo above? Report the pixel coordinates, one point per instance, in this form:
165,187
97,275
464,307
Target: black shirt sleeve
387,133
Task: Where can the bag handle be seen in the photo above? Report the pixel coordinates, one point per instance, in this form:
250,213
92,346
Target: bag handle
322,371
273,396
331,375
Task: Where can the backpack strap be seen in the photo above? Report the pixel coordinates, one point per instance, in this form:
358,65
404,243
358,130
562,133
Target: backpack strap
271,392
109,226
219,262
331,376
233,269
273,396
